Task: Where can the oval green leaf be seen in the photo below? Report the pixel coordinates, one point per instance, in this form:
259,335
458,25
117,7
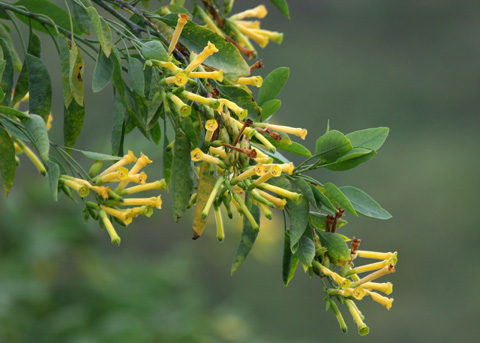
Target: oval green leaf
364,203
37,130
370,138
40,87
332,145
336,246
72,123
342,200
103,73
136,76
7,160
269,108
273,84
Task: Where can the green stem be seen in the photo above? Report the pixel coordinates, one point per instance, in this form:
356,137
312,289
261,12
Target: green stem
212,197
18,32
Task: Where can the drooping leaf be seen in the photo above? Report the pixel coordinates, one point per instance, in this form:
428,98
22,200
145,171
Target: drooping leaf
155,133
7,160
282,5
12,111
21,88
15,129
72,123
336,246
290,261
64,54
364,203
322,200
136,76
17,64
342,200
306,250
369,138
117,79
249,234
96,156
102,30
273,84
76,74
81,17
269,108
40,87
206,181
187,126
37,130
53,174
118,126
243,99
154,97
298,221
154,50
103,73
167,159
332,145
350,161
8,71
196,38
182,175
305,189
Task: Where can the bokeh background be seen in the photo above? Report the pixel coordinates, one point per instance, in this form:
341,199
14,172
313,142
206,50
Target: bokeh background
409,65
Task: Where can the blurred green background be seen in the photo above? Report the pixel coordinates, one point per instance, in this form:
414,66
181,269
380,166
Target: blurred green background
409,65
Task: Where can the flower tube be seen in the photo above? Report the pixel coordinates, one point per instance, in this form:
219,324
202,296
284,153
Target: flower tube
198,155
213,103
213,75
182,20
387,302
280,203
153,201
207,51
273,171
160,184
370,267
362,327
257,12
385,287
375,275
123,215
251,81
287,129
282,192
184,109
211,125
110,229
126,159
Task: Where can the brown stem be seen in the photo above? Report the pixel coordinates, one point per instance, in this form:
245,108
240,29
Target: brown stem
256,65
250,153
213,11
247,123
338,214
247,52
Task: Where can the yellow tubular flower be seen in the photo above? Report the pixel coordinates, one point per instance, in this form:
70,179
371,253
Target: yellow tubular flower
282,192
160,184
240,112
153,201
286,167
375,275
385,287
370,267
218,151
358,293
198,155
31,155
142,161
273,171
212,26
207,51
257,12
145,210
362,327
387,302
140,178
120,175
251,81
49,122
246,174
376,255
341,281
185,110
126,159
255,24
213,103
180,79
125,216
182,20
101,190
110,229
266,211
280,203
260,39
82,190
214,75
211,125
277,37
168,65
219,222
287,129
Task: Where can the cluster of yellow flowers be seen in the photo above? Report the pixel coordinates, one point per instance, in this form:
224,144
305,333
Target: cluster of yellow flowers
350,287
110,199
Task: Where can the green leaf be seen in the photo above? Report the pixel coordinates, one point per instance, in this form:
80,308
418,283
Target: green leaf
154,97
35,126
350,161
182,175
298,221
282,5
7,160
53,174
136,76
103,73
336,246
64,54
273,84
34,49
370,138
289,146
17,64
50,10
243,99
332,145
364,203
81,17
195,38
305,189
290,261
118,126
154,50
269,108
117,79
187,126
323,200
155,133
249,234
167,158
76,74
306,250
96,156
8,72
15,128
72,123
319,221
40,87
13,112
342,200
102,30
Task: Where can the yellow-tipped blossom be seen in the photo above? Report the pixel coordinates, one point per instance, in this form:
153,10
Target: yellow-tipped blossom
387,302
124,215
358,293
240,112
385,287
207,51
198,155
126,159
168,65
117,176
32,156
49,122
341,281
153,201
101,190
375,275
277,37
141,162
260,169
280,203
213,75
219,222
257,170
211,125
251,24
265,210
182,20
160,184
82,190
370,267
286,167
218,151
377,255
362,327
260,39
287,129
251,81
273,171
140,178
282,192
180,79
110,229
257,12
184,109
213,103
145,210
